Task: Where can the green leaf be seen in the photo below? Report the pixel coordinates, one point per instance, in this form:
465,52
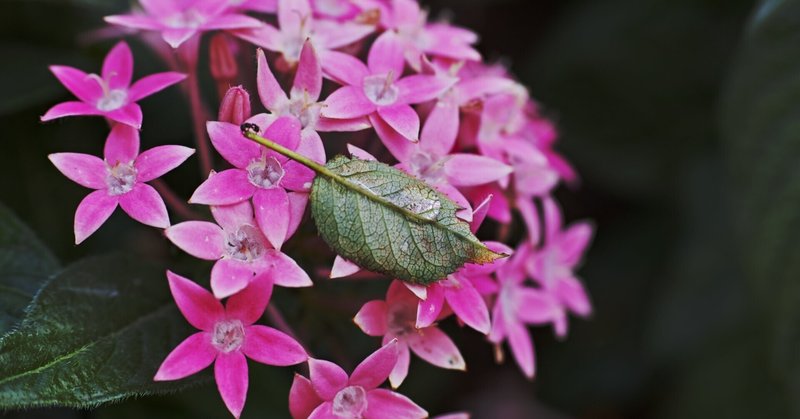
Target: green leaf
25,264
97,332
386,221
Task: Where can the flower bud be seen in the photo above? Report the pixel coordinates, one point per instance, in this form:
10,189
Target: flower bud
235,106
222,59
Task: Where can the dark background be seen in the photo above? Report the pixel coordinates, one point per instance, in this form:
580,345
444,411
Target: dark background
669,109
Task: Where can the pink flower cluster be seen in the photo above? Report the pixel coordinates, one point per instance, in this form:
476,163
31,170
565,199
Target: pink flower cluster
370,66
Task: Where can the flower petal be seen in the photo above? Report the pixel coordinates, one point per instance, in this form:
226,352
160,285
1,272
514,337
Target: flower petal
292,14
308,78
375,369
118,66
429,309
269,90
573,242
248,305
342,268
297,208
521,346
224,188
469,306
298,177
122,145
84,169
153,83
285,272
382,403
272,347
194,354
347,102
434,346
157,161
229,277
228,141
230,372
334,35
440,130
285,131
302,398
400,370
92,212
572,293
422,88
386,55
264,36
198,306
326,377
403,119
372,318
472,170
144,204
134,21
79,83
130,114
343,68
176,37
231,217
72,108
200,239
232,21
272,214
396,143
323,411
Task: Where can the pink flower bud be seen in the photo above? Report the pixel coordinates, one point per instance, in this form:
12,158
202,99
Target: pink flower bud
235,106
222,60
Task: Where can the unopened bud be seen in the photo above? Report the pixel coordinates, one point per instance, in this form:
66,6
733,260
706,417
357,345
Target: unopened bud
222,59
235,106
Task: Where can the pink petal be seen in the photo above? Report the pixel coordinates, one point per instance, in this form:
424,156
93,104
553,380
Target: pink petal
396,143
342,125
343,68
375,369
552,218
269,90
309,73
292,14
573,242
530,215
130,114
195,353
224,188
326,377
230,372
343,267
334,35
157,161
428,310
265,36
386,55
382,403
145,205
232,21
403,119
229,277
134,21
432,345
347,102
400,371
198,306
272,347
472,169
323,411
92,212
200,239
535,307
469,306
159,7
302,398
372,318
122,146
359,153
284,131
285,272
272,213
69,109
419,290
521,347
498,332
422,88
153,83
228,141
479,213
79,83
297,208
572,293
440,130
176,37
231,217
84,169
298,177
249,304
118,66
465,213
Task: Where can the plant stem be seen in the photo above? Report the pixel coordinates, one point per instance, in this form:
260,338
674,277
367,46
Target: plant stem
198,123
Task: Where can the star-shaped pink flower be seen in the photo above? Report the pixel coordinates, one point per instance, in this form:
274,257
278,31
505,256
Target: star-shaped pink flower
227,337
119,179
395,318
179,20
109,94
240,249
330,393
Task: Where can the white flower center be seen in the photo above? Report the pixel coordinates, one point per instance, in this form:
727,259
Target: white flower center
120,178
244,244
188,19
265,172
332,8
112,100
426,166
380,89
307,112
350,402
228,335
402,319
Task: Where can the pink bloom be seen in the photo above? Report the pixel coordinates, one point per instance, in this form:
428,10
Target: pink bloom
235,106
262,174
379,91
297,25
109,94
179,20
240,249
339,10
227,335
330,393
395,318
119,179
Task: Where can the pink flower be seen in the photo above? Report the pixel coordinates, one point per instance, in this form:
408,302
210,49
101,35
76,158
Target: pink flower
262,174
227,335
109,94
235,106
119,179
395,318
240,249
330,393
378,89
179,20
297,25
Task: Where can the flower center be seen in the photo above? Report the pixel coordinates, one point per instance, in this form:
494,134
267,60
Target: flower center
112,100
428,167
188,19
402,319
228,335
265,173
120,178
380,89
244,244
307,112
332,8
350,402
